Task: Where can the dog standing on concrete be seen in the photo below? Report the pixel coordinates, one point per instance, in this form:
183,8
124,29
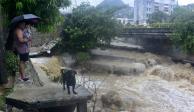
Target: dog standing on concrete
68,79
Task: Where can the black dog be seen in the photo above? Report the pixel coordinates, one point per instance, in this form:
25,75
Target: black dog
68,79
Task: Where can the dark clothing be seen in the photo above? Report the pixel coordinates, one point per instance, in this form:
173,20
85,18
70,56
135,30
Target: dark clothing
69,78
10,41
24,57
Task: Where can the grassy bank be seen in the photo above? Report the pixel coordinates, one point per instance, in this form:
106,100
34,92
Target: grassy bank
2,98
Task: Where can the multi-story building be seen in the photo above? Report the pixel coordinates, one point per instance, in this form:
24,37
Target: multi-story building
143,9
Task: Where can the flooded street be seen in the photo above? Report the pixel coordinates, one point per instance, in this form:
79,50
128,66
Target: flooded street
164,86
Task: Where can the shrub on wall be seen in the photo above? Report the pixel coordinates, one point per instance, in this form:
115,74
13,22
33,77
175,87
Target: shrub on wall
11,62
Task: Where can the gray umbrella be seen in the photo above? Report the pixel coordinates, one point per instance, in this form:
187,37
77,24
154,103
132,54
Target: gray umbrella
31,18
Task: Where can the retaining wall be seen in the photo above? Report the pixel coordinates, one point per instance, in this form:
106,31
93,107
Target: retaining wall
39,39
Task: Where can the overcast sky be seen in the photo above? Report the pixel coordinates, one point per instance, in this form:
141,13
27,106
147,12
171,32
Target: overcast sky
130,2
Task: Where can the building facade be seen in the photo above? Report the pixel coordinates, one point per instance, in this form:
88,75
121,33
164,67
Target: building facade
125,21
143,9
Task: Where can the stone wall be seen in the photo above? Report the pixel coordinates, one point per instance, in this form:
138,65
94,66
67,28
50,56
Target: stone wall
39,39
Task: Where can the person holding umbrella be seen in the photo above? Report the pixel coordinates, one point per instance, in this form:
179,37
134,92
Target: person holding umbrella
20,40
21,45
27,34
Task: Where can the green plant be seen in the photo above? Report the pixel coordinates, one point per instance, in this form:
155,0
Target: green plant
82,57
158,17
183,29
48,10
183,36
2,98
11,62
2,102
87,27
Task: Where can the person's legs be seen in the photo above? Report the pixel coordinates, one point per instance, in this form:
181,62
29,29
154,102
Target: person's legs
22,69
68,89
23,59
73,89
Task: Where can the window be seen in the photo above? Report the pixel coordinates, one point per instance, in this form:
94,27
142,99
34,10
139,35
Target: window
148,3
148,9
147,15
156,8
166,9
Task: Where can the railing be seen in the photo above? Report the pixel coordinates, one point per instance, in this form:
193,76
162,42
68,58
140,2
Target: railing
153,33
147,30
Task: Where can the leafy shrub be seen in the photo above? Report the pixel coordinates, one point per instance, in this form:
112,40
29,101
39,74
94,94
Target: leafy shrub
2,98
183,36
11,62
158,17
183,29
87,27
82,57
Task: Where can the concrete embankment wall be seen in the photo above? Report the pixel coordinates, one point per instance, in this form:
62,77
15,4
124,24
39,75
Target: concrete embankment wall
156,40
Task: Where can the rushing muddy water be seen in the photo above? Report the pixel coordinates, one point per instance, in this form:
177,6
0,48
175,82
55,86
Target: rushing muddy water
148,93
145,92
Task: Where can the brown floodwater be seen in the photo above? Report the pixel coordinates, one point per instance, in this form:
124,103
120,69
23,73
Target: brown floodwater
144,92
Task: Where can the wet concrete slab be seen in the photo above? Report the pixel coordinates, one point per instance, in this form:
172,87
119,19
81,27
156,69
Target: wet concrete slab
49,97
46,97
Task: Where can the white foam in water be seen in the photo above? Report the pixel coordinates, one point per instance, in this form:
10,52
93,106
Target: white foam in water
150,93
42,60
167,97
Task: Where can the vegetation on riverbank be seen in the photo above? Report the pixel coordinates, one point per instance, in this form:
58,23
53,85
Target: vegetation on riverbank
183,29
2,98
181,21
46,9
87,27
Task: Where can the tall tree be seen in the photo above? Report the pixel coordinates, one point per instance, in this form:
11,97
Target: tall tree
183,35
48,10
158,17
87,27
181,14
